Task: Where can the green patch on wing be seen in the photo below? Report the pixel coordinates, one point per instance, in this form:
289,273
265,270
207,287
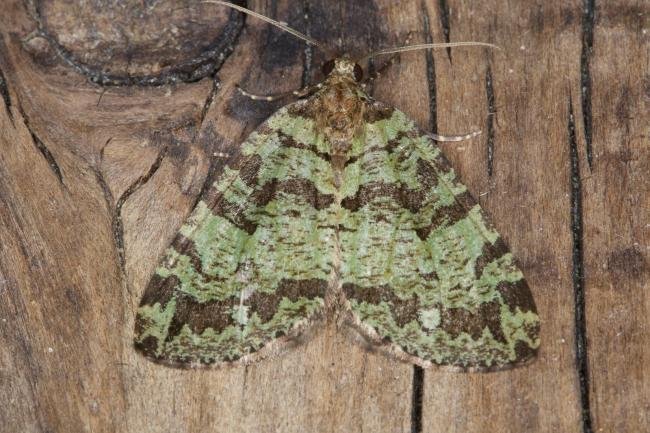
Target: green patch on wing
427,340
217,241
155,321
454,249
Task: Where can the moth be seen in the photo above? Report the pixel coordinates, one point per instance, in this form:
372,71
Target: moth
338,208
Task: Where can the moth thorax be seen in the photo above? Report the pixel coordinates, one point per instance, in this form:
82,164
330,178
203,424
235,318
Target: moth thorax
340,114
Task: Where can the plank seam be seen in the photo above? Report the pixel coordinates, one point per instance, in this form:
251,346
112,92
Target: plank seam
417,399
588,22
444,23
431,71
582,365
489,92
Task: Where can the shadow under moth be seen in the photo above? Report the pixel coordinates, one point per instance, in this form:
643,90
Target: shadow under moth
338,208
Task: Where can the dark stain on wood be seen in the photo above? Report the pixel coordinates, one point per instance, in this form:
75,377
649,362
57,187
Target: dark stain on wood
627,264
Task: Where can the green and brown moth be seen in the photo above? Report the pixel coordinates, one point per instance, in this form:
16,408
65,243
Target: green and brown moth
338,208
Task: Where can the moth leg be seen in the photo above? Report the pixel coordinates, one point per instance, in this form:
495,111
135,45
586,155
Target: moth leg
438,137
270,98
377,72
307,90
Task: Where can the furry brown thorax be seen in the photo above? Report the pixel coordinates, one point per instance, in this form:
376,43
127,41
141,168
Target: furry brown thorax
341,103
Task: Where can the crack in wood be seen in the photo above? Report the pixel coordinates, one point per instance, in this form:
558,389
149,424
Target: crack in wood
417,399
4,92
444,22
204,65
431,71
108,198
118,227
588,22
115,210
578,275
489,92
42,148
216,85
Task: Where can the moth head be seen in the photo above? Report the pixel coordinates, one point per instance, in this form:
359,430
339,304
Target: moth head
343,67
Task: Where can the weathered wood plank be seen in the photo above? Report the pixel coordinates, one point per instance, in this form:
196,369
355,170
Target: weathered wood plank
616,201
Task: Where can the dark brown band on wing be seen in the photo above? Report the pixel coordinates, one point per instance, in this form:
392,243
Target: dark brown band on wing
399,193
218,314
159,290
301,187
404,310
455,321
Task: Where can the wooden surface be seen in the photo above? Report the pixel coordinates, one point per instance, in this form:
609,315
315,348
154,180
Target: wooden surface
98,169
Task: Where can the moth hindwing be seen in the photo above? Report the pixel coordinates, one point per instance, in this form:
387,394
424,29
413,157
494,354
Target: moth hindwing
338,206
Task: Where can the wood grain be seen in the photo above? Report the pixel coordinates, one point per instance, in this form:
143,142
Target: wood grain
617,215
113,120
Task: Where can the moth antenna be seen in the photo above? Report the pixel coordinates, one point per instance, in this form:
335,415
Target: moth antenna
273,22
426,47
